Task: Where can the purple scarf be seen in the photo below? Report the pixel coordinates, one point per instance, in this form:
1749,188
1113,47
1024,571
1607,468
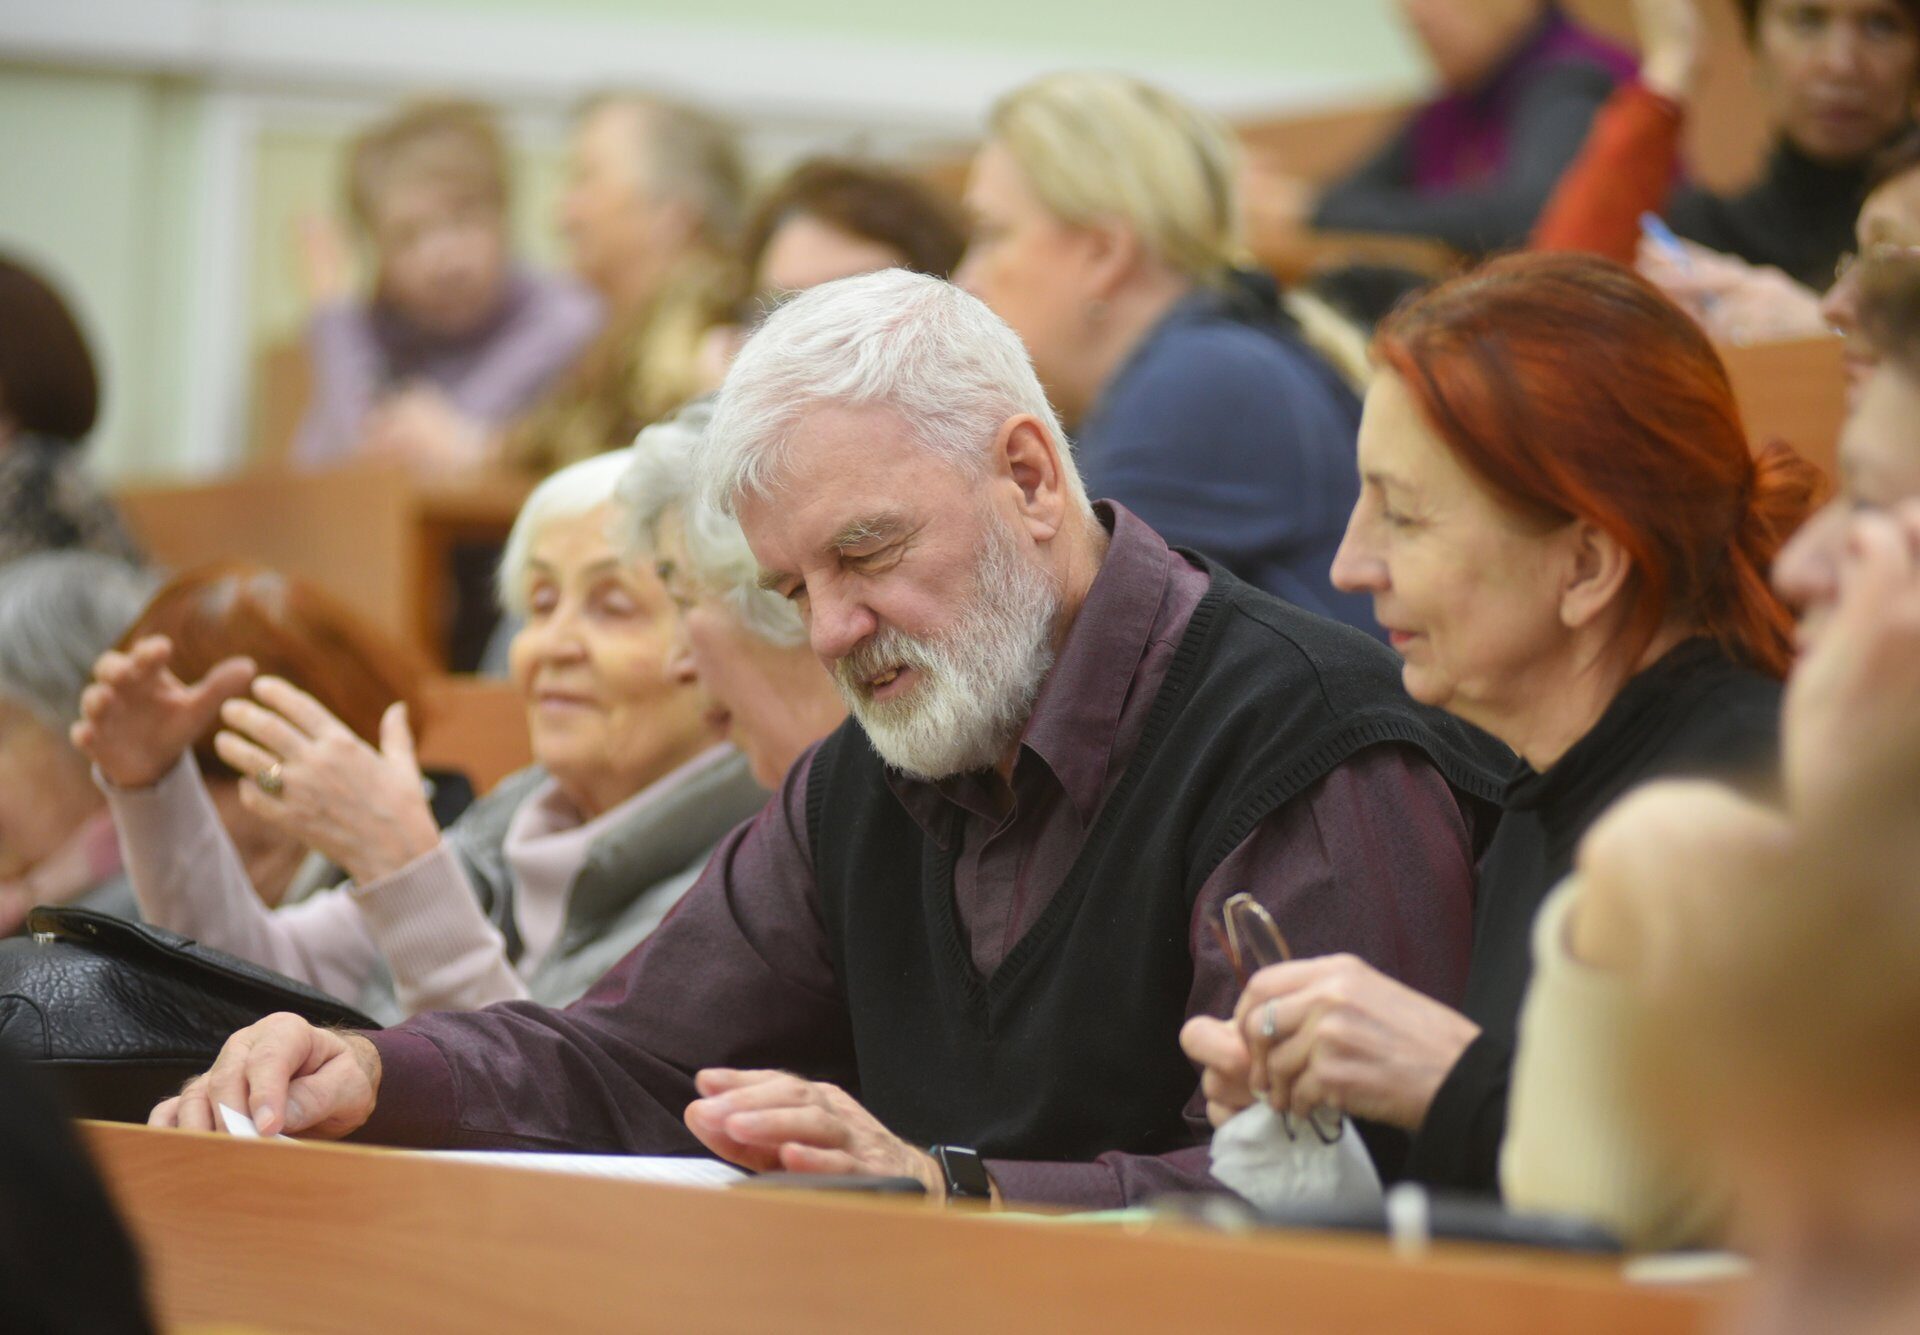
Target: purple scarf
1460,140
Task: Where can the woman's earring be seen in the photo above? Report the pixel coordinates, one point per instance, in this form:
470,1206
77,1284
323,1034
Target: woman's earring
1096,312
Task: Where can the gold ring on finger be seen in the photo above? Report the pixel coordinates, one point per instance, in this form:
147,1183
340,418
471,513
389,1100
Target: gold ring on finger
269,781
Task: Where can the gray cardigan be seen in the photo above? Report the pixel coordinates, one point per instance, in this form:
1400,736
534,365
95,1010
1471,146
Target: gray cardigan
632,876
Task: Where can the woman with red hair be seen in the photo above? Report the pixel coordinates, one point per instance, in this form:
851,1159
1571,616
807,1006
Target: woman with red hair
1567,538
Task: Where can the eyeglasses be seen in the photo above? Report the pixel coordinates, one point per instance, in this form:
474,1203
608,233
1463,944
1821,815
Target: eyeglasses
1880,250
1252,941
1249,935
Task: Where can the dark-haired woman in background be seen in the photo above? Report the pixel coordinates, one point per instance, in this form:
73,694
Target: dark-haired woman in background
833,218
1839,78
1568,542
49,402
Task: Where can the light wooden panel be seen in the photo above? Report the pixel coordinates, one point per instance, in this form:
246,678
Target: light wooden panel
351,532
474,727
1795,392
377,538
322,1239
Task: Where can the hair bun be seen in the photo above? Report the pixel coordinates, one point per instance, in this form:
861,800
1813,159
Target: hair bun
1785,488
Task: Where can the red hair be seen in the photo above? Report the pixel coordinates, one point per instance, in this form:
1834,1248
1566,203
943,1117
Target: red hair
1571,386
290,629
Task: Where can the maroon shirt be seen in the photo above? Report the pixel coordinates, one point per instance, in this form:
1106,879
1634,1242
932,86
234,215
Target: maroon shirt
1375,860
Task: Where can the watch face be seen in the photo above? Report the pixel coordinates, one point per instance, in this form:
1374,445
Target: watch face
966,1173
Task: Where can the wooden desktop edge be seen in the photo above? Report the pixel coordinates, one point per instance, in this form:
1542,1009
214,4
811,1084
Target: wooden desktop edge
325,1238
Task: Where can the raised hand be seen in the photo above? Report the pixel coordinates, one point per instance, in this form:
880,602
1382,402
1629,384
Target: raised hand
364,810
137,718
1670,45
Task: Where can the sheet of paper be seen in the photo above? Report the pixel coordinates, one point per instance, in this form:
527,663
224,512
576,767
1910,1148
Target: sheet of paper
241,1125
684,1172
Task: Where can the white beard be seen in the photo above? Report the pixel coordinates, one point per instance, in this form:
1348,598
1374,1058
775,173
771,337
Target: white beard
978,679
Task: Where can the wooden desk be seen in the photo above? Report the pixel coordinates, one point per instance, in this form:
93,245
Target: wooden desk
321,1238
377,538
1795,392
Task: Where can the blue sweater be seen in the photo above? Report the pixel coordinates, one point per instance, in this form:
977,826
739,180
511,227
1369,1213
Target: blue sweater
1229,436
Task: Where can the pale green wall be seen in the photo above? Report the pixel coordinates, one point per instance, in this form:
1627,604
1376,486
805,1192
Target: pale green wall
1357,39
96,189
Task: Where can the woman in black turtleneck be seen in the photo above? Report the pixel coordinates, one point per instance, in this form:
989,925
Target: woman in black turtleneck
1839,78
1567,539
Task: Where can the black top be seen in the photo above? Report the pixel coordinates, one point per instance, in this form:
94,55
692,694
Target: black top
1798,218
1070,1048
1693,713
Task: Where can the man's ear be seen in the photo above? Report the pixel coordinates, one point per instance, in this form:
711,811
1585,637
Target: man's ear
1027,454
1597,573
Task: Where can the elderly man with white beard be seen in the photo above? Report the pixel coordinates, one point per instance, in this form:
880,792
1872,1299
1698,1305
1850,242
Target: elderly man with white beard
960,942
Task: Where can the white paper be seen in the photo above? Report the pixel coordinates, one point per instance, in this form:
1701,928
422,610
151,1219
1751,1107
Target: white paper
241,1125
685,1172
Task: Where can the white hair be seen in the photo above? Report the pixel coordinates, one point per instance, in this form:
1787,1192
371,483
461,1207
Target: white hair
576,490
59,611
660,482
951,368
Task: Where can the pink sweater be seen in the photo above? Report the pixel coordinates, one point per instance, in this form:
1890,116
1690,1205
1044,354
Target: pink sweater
425,919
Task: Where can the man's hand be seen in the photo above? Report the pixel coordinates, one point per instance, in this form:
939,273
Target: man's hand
1335,1032
364,810
1216,1046
137,719
769,1120
289,1076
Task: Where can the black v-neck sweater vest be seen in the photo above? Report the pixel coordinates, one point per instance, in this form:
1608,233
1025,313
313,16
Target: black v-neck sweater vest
1070,1048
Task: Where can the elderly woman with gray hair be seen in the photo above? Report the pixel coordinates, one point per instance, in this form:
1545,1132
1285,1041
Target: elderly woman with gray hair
539,887
743,645
58,612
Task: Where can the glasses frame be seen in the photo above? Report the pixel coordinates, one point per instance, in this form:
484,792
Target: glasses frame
1247,932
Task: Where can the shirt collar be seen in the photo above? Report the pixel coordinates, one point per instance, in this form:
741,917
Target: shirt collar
1077,712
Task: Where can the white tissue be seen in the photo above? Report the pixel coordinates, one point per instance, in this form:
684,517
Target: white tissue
1255,1156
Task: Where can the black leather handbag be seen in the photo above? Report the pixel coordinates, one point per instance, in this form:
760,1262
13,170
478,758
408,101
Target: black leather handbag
119,1014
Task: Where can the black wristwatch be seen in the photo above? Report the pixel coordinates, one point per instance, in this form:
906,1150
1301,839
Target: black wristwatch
966,1173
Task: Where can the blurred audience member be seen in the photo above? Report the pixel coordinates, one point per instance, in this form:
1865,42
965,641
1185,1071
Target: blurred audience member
834,218
744,645
1567,539
49,402
1520,83
67,1264
1647,888
652,207
58,612
456,338
1105,234
537,889
219,627
1840,78
1775,1038
1887,230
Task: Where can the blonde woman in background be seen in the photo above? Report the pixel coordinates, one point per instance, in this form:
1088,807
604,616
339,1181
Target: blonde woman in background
1105,233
